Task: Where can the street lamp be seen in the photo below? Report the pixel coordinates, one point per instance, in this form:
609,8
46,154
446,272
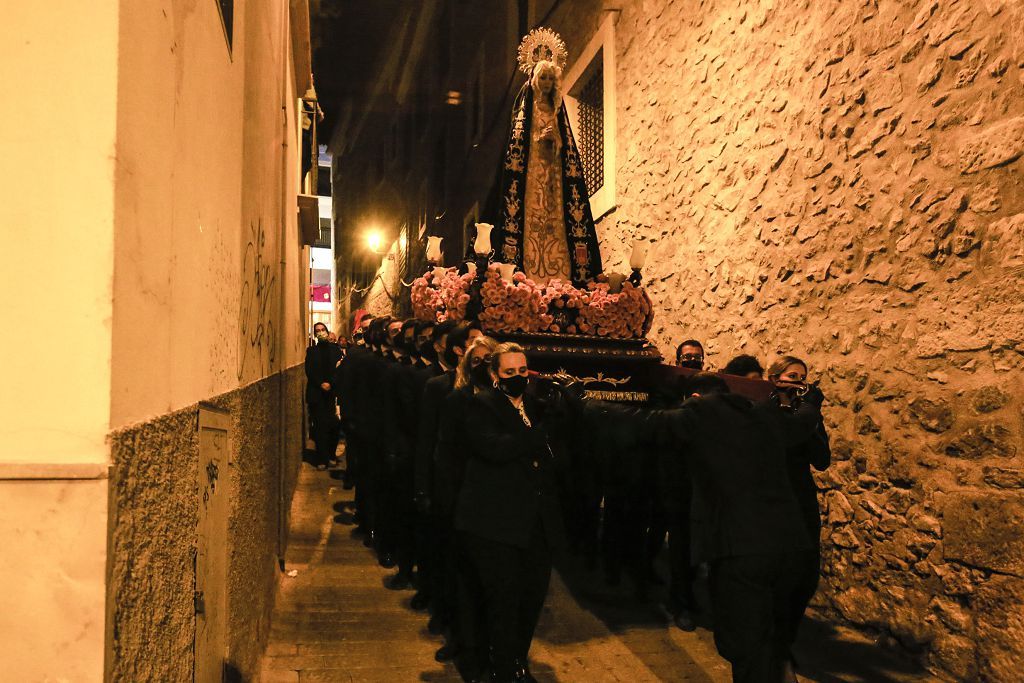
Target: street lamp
374,240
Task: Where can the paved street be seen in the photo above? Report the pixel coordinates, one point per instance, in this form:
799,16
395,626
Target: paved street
334,621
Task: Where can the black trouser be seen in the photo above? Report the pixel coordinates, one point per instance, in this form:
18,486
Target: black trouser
325,430
429,555
807,585
514,582
381,515
624,535
397,512
470,629
753,597
681,572
407,518
356,467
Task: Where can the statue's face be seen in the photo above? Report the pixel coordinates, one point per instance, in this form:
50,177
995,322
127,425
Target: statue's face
546,81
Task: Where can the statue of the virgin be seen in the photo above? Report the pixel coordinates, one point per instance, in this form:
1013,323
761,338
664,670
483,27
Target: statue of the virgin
546,227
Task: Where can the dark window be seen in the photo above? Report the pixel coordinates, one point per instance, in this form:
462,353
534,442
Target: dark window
323,181
227,16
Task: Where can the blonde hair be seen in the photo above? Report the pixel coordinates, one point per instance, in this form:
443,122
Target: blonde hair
556,91
463,378
779,366
507,347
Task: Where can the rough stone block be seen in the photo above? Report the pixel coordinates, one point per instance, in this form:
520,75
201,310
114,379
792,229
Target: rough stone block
934,416
1000,628
988,399
995,146
983,441
983,529
1004,477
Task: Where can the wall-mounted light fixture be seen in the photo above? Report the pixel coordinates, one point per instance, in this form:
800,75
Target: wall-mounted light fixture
374,240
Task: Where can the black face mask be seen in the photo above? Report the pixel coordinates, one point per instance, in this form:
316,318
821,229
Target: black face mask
451,358
357,339
428,352
692,364
480,375
513,386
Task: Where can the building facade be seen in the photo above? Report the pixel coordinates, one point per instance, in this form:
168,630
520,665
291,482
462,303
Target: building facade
153,426
835,180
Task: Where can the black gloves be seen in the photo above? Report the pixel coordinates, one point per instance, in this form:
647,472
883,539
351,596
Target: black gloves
814,395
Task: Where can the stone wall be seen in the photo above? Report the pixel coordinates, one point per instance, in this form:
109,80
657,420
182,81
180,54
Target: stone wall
840,180
154,513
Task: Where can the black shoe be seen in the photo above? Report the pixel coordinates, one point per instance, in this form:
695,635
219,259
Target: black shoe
369,539
684,620
333,462
386,560
420,601
521,673
321,466
446,652
398,582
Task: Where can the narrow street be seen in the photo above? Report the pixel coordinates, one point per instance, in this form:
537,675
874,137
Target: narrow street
334,621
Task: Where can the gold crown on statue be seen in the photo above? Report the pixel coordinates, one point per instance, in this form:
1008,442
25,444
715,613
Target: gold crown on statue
541,44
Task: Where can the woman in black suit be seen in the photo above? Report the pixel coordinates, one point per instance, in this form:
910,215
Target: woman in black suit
789,376
508,515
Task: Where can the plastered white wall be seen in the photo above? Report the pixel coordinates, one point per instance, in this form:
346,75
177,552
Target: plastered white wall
57,127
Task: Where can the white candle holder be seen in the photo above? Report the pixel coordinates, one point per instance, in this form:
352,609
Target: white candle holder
482,243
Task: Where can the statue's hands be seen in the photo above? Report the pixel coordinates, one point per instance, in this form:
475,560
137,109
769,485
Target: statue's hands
548,133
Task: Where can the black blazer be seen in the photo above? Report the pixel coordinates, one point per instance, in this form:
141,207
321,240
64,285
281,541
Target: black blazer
815,451
435,391
321,359
349,383
736,453
509,485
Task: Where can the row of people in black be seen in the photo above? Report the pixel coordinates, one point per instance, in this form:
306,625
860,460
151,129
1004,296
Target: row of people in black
463,480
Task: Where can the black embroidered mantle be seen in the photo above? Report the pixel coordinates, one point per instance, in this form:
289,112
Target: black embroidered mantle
581,236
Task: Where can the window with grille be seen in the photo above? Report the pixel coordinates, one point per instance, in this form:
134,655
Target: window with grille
590,112
324,239
589,87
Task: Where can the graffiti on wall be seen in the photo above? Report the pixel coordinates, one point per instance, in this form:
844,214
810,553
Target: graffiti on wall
258,351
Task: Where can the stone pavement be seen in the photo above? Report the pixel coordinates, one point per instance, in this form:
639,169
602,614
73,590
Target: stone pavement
334,621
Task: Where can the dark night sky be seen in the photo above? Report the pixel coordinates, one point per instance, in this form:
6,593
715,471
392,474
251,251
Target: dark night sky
349,39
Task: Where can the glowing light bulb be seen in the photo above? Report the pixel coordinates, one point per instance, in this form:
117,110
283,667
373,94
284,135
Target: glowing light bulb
374,240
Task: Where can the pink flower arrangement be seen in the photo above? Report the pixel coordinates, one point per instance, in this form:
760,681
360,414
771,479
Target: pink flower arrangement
521,305
624,315
514,306
441,298
454,294
426,297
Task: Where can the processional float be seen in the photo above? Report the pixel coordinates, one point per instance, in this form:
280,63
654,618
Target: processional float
535,277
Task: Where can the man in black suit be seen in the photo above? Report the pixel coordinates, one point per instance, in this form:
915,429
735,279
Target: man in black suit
747,522
371,413
397,409
349,387
436,543
321,361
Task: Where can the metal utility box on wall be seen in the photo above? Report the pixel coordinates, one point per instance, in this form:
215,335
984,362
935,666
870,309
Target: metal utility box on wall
210,596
